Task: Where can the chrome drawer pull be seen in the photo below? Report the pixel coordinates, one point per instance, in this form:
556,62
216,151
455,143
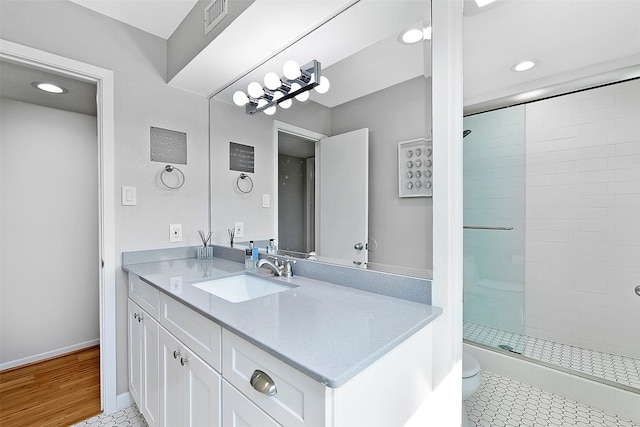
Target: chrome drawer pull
263,383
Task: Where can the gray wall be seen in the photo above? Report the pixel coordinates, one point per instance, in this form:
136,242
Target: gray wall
142,99
49,223
401,227
231,123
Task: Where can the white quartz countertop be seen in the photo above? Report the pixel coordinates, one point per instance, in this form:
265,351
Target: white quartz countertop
327,331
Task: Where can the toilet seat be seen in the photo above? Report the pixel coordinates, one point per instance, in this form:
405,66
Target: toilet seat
470,365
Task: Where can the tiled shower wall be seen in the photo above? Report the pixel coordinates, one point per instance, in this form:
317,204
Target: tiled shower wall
583,219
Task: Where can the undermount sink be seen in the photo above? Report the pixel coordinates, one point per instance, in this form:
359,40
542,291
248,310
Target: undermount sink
241,288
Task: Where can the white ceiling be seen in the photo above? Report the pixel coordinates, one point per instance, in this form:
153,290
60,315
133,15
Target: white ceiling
158,17
567,37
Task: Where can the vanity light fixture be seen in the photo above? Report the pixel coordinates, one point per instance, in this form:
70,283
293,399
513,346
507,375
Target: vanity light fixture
49,87
525,65
278,91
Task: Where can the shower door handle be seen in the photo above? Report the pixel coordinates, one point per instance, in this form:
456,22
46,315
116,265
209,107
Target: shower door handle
638,290
486,227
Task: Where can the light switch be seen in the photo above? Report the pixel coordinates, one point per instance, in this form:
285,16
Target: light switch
128,196
266,200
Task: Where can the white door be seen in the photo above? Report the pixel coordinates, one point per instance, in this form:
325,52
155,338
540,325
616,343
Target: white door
171,380
343,198
201,393
135,352
150,401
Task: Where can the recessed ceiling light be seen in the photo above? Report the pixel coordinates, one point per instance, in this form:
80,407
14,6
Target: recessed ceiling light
49,87
524,65
482,3
414,35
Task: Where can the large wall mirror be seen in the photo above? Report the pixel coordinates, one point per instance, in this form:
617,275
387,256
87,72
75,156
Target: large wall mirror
325,171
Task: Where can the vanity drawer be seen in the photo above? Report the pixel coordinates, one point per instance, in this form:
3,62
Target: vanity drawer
299,400
197,332
240,411
145,295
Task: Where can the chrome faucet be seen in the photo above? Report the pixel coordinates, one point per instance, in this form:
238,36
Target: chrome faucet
276,268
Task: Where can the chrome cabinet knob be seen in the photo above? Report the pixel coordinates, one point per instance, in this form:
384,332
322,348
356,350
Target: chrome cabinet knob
176,354
183,361
263,383
358,246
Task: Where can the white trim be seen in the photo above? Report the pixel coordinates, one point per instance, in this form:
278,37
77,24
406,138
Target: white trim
48,354
124,400
105,116
447,106
304,133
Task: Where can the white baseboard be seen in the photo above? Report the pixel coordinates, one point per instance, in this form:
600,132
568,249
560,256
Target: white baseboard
613,400
48,354
123,400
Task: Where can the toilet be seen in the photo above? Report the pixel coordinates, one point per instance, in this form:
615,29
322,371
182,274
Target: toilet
470,382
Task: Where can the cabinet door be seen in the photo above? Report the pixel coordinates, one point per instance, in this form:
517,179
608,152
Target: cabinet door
135,351
170,379
150,399
238,411
201,394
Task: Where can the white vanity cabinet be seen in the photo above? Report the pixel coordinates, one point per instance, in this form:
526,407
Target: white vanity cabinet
186,370
190,388
143,362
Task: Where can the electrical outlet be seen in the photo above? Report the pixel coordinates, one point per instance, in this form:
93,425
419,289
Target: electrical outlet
175,233
239,229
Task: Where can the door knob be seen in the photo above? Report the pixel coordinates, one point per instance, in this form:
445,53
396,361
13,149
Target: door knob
358,246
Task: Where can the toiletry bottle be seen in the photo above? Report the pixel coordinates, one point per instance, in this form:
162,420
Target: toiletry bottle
248,259
254,254
271,248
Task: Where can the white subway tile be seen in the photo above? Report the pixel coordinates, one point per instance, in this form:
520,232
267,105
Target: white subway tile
630,213
630,122
564,178
628,199
619,136
598,102
597,176
628,148
597,225
622,226
590,140
591,165
597,201
603,126
590,213
590,189
594,114
597,152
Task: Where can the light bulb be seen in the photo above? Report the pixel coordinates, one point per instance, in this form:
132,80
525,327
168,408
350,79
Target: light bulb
240,98
255,90
261,103
294,87
277,95
286,103
272,81
324,85
291,70
414,35
303,96
270,111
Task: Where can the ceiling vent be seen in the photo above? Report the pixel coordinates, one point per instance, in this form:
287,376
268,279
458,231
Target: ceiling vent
214,13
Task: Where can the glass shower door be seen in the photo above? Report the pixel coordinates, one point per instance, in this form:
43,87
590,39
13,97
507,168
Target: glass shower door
494,219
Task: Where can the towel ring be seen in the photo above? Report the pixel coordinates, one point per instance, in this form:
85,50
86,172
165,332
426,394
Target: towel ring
243,177
170,169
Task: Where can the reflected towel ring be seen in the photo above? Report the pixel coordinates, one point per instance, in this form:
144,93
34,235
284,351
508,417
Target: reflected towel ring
170,169
248,187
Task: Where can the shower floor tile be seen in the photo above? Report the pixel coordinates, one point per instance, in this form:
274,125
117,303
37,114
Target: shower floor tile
500,401
619,369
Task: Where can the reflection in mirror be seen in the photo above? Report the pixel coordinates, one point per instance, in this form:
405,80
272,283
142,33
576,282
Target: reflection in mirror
380,93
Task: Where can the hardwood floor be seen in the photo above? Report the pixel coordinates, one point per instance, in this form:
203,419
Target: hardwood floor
56,392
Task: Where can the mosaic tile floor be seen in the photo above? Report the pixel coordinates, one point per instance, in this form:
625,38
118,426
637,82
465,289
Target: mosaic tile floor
128,417
620,369
500,401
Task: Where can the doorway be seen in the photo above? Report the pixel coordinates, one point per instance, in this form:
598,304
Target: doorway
105,263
